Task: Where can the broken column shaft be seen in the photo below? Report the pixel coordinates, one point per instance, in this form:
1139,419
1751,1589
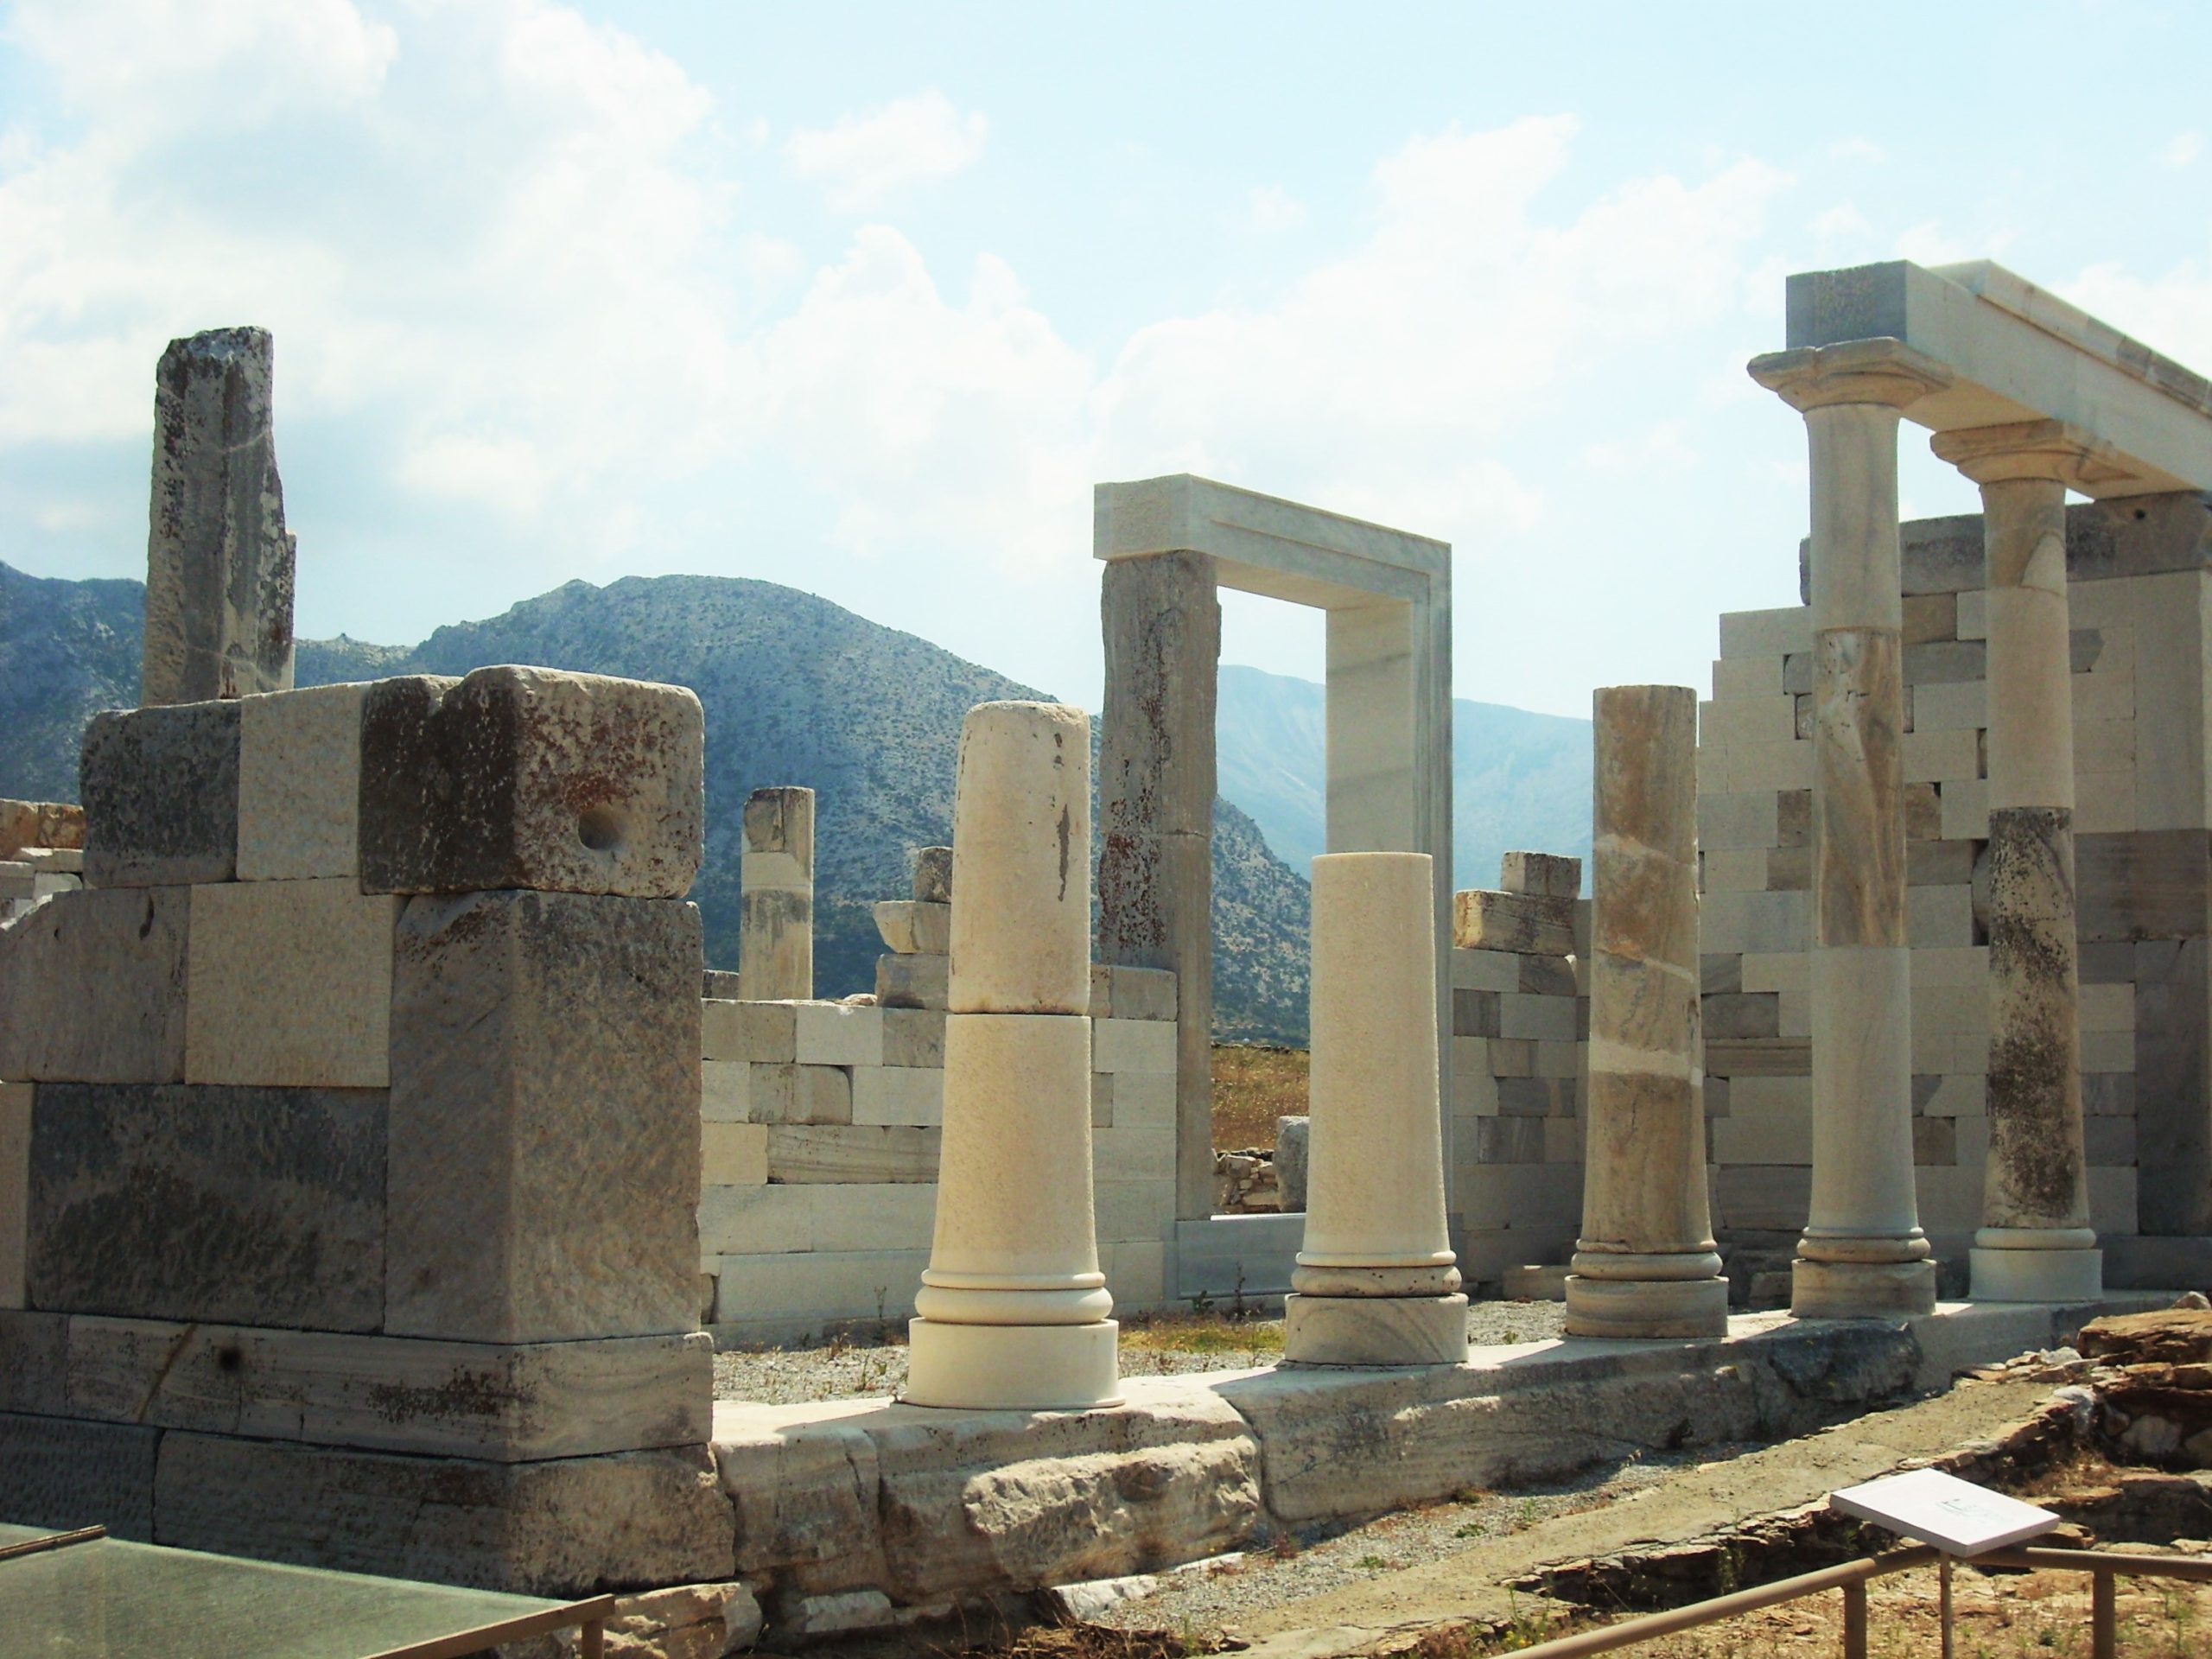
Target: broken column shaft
218,560
1012,1308
1377,1282
1645,1265
775,947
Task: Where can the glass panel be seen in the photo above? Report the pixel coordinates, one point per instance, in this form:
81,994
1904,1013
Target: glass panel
108,1600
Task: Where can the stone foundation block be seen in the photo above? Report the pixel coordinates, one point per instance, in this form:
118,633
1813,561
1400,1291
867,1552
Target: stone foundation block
799,1094
62,1474
15,1189
567,1527
289,983
1546,874
299,784
92,988
505,1403
913,982
161,789
528,778
247,1207
33,1355
544,1155
839,1153
913,1037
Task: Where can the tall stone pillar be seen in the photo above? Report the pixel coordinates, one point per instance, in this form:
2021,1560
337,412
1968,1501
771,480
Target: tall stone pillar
1161,620
2035,1243
1645,1265
1377,1282
1863,1254
219,561
775,944
1013,1306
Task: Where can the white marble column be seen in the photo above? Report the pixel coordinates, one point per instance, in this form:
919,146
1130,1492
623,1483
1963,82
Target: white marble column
775,939
1013,1306
1645,1265
2035,1243
1863,1254
1377,1282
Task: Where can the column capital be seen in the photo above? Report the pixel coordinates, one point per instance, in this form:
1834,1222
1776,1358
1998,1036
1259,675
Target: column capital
1886,371
2042,450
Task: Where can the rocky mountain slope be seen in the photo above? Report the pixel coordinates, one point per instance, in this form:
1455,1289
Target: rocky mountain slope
796,690
1519,780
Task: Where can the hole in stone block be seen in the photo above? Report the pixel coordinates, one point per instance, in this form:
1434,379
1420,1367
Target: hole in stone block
229,1359
601,828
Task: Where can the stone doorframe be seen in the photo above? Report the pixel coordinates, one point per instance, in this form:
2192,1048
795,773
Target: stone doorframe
1169,544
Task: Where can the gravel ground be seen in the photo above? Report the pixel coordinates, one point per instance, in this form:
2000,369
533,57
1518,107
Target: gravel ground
1208,1596
865,1370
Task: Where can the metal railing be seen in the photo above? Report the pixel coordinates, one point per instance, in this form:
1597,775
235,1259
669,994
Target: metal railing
1852,1577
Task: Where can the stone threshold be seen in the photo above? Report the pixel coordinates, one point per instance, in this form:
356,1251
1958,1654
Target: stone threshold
846,1502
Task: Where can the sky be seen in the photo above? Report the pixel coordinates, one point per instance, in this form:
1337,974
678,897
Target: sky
864,299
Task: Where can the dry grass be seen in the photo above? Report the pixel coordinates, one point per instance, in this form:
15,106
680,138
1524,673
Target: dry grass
1234,1340
2041,1615
1252,1086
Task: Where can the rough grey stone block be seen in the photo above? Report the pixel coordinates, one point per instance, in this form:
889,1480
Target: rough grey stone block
567,1526
92,988
510,1402
2144,884
59,1473
528,778
219,563
34,1351
544,1155
252,1206
933,875
161,788
1550,874
1293,1137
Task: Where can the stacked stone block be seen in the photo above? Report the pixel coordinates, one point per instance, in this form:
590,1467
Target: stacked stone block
820,1138
41,853
350,1112
2138,596
1519,1069
918,931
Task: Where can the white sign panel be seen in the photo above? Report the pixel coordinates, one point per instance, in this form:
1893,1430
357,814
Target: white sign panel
1953,1514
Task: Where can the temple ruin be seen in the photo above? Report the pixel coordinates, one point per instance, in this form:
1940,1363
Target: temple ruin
380,1166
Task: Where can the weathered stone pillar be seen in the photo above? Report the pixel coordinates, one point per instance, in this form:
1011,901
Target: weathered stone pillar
219,561
1645,1265
775,944
1162,624
1376,1282
2035,1243
1013,1306
1863,1254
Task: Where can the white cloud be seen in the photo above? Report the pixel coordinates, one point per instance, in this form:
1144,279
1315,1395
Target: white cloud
2171,314
1841,220
1270,209
2183,149
863,160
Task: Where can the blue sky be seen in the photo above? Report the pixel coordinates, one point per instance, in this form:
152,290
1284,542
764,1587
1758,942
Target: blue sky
863,299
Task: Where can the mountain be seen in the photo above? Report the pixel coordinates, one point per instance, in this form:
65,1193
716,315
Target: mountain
1519,780
796,690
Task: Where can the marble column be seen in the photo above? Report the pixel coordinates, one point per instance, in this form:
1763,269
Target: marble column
775,944
2035,1243
1645,1265
1013,1306
1863,1254
219,563
1377,1282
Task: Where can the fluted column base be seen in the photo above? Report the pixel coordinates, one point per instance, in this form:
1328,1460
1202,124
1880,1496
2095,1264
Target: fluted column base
1647,1308
1375,1331
1862,1290
1014,1367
